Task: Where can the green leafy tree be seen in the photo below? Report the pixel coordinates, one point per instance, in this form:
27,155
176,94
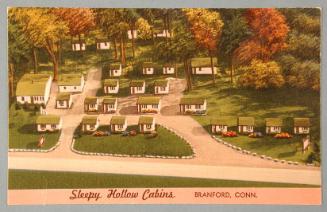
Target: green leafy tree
261,75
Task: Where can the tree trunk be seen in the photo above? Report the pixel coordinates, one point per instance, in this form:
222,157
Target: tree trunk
187,75
124,51
231,71
35,63
53,56
212,69
79,38
11,80
116,50
176,74
133,40
122,59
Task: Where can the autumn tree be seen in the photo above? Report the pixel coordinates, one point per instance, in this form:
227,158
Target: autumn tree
143,29
43,29
269,33
233,34
206,27
261,75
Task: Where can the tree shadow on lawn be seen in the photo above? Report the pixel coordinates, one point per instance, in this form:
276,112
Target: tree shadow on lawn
27,129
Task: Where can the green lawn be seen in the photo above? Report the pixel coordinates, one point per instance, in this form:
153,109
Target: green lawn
23,179
22,131
165,144
286,103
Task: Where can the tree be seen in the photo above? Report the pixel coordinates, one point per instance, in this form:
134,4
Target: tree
18,50
233,34
132,17
269,33
261,75
206,26
43,29
143,29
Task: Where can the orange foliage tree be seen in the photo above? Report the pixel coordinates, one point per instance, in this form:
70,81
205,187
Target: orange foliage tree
269,34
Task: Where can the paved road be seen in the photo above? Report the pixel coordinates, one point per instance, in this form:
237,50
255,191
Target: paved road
213,160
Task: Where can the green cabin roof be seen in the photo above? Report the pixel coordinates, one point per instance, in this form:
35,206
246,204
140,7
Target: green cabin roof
245,121
32,85
137,83
90,100
161,83
145,120
274,122
118,120
109,100
148,100
224,120
114,66
148,65
192,101
63,96
110,82
89,119
301,122
48,119
203,62
70,79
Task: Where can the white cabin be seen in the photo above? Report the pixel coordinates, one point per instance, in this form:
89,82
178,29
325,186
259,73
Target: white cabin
110,86
103,45
147,124
48,123
71,83
168,69
137,87
64,101
109,105
132,34
274,125
79,46
90,123
118,124
202,66
148,104
190,105
161,87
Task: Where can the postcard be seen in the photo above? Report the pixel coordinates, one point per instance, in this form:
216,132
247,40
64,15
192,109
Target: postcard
164,106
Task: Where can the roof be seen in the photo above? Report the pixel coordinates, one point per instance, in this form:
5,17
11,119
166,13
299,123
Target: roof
246,121
118,120
70,79
90,100
63,96
203,62
77,41
48,119
109,100
148,64
220,121
102,40
274,122
110,82
168,65
114,66
301,122
136,83
192,101
32,85
161,83
148,100
89,119
146,120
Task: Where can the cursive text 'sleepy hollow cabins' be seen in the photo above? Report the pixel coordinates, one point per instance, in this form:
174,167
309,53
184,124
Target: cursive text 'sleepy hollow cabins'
103,44
245,125
34,89
219,125
274,125
72,83
113,69
118,124
109,104
148,68
132,34
110,86
148,104
64,101
91,104
78,45
49,123
202,65
90,123
301,125
161,87
137,86
168,69
147,124
191,105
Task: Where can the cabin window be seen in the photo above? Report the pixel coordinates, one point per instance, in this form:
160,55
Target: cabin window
112,88
41,98
148,126
92,105
162,88
155,106
110,106
275,128
188,106
120,126
42,126
92,126
53,126
197,106
23,98
305,128
61,103
199,68
64,87
139,88
143,106
75,87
